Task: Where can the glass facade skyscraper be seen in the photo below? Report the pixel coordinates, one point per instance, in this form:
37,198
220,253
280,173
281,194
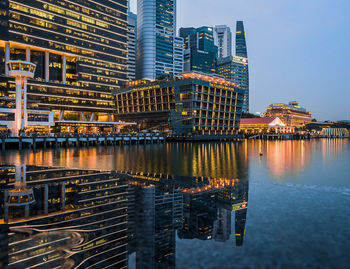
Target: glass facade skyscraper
223,40
132,48
241,46
80,49
159,50
200,52
235,68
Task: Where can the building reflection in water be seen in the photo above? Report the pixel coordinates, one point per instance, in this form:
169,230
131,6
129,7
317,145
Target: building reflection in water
79,218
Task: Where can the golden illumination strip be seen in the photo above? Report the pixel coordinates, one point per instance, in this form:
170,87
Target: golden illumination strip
23,45
65,26
82,106
65,44
70,18
67,88
98,83
69,97
99,4
106,69
97,75
85,15
70,36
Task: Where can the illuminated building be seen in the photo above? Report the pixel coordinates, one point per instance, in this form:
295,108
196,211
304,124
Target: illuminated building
241,46
200,52
159,51
264,126
80,52
132,48
223,40
235,68
190,103
78,220
291,114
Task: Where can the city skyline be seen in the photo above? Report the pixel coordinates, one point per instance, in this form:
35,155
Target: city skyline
287,62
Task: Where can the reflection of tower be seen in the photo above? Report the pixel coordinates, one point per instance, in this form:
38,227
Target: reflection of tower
240,220
158,211
222,226
21,195
21,71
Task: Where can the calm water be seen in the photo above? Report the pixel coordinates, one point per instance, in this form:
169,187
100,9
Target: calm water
299,197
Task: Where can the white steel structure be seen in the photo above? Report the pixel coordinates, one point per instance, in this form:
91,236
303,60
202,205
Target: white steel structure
223,40
21,71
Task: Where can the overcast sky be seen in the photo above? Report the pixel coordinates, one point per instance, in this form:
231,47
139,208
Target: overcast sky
297,49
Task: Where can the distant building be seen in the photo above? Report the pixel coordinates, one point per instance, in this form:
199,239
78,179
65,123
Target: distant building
241,45
223,40
264,126
235,68
159,51
191,103
132,48
200,52
291,114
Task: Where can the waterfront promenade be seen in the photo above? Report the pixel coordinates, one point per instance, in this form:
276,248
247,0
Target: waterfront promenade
58,141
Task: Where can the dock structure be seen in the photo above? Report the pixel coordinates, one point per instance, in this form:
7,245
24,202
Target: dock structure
77,141
205,138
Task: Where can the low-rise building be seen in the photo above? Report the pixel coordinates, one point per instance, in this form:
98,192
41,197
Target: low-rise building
264,126
190,103
291,114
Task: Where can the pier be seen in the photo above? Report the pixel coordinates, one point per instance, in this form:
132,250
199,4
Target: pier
77,141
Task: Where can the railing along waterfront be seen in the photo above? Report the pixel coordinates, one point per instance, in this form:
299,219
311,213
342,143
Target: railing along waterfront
70,140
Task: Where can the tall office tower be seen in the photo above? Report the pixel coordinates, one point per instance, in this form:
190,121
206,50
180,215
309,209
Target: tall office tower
80,52
200,52
223,40
241,46
158,51
235,68
132,48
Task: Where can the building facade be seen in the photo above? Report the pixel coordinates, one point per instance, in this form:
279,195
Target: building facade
264,126
159,51
291,114
223,40
190,103
132,45
200,53
80,52
241,44
236,69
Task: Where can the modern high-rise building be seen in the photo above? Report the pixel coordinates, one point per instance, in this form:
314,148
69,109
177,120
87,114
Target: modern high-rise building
80,52
159,50
223,40
235,68
132,48
241,45
200,52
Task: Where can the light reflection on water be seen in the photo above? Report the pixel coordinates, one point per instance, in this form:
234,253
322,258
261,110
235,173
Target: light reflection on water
284,160
282,217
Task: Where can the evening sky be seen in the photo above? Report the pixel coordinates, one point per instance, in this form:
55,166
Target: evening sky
297,49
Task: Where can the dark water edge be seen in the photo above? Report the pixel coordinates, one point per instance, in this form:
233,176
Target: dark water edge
299,196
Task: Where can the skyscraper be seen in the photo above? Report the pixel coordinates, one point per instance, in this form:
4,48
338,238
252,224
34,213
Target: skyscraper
159,50
241,46
241,51
132,48
235,68
80,52
200,52
223,40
